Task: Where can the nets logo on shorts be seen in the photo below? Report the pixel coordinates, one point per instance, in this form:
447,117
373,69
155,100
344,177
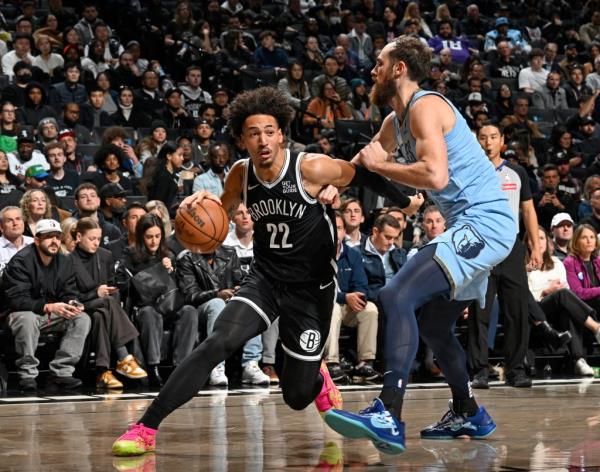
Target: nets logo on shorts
310,340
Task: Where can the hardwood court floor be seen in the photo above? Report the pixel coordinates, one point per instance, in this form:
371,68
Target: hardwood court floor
546,428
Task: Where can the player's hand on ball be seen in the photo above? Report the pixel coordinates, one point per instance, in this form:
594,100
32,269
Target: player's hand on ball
372,155
330,195
415,203
197,198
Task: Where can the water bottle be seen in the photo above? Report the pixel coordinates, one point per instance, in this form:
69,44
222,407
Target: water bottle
547,371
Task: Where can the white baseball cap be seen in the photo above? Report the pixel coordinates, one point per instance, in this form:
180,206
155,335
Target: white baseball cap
558,219
47,226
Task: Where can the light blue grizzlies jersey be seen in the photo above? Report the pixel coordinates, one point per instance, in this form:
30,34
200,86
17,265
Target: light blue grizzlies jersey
479,223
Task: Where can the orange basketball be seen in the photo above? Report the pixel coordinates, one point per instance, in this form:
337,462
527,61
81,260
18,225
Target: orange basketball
203,227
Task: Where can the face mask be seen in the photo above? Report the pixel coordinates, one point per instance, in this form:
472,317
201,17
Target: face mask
23,78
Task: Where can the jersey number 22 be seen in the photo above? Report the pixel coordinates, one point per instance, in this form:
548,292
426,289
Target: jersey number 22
275,231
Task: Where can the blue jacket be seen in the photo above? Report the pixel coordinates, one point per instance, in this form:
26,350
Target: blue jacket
375,270
351,275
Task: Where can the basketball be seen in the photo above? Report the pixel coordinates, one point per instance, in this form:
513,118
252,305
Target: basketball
203,227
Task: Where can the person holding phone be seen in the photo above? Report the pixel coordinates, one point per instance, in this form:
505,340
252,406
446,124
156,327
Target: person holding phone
111,327
551,200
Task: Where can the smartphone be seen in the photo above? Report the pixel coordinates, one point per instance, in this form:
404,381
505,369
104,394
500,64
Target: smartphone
128,141
76,303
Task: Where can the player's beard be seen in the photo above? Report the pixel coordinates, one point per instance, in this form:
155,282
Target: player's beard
381,95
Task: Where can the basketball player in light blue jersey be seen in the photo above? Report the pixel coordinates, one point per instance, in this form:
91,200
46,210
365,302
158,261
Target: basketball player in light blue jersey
432,289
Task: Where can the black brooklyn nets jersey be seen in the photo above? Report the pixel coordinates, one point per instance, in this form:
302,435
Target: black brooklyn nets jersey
294,235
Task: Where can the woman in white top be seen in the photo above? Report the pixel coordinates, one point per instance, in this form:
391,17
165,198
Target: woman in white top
48,61
562,307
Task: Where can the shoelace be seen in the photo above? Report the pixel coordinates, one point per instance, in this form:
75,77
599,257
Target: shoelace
137,431
449,418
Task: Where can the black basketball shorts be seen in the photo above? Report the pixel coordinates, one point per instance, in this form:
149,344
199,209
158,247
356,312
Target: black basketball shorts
304,311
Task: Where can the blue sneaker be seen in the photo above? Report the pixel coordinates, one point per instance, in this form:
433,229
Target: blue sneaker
374,423
452,425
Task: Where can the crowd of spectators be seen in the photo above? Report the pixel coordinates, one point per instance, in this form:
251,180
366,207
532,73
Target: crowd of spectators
112,112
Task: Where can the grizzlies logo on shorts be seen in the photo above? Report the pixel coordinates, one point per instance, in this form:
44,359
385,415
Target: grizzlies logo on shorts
467,242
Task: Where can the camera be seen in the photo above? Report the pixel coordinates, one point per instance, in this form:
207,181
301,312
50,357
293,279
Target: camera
549,189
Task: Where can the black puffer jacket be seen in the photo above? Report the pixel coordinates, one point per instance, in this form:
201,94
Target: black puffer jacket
199,281
28,285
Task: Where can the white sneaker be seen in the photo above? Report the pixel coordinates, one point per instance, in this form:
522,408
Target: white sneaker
253,375
582,368
218,377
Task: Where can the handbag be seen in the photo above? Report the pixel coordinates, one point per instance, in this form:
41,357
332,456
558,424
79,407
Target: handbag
156,287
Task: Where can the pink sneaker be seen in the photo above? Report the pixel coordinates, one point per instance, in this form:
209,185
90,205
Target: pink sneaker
138,439
330,397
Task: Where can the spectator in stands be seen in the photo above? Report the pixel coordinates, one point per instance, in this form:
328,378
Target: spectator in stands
189,169
583,265
534,77
550,54
564,309
232,60
62,181
113,200
445,38
397,213
149,97
26,155
134,212
433,225
35,207
12,240
413,12
589,31
352,214
76,161
361,106
562,232
111,328
326,108
312,57
330,70
92,114
212,179
592,53
520,119
269,55
551,200
345,70
47,60
10,194
39,287
21,52
193,96
352,309
150,145
575,87
164,182
128,114
35,178
126,73
69,91
551,96
505,64
158,208
35,107
71,121
593,80
381,258
294,86
104,81
94,62
473,25
502,30
87,203
47,132
118,136
85,27
110,162
361,42
175,114
594,218
203,134
9,127
150,250
391,24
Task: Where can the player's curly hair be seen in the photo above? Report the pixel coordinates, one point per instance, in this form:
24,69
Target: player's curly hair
260,101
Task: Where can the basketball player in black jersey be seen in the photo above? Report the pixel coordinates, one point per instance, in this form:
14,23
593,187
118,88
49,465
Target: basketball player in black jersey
293,273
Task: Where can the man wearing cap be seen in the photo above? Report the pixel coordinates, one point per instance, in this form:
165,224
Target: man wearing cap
202,141
35,177
533,78
113,199
12,240
569,60
551,200
192,94
594,218
75,160
62,181
26,155
41,294
562,233
475,104
551,96
502,30
176,116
